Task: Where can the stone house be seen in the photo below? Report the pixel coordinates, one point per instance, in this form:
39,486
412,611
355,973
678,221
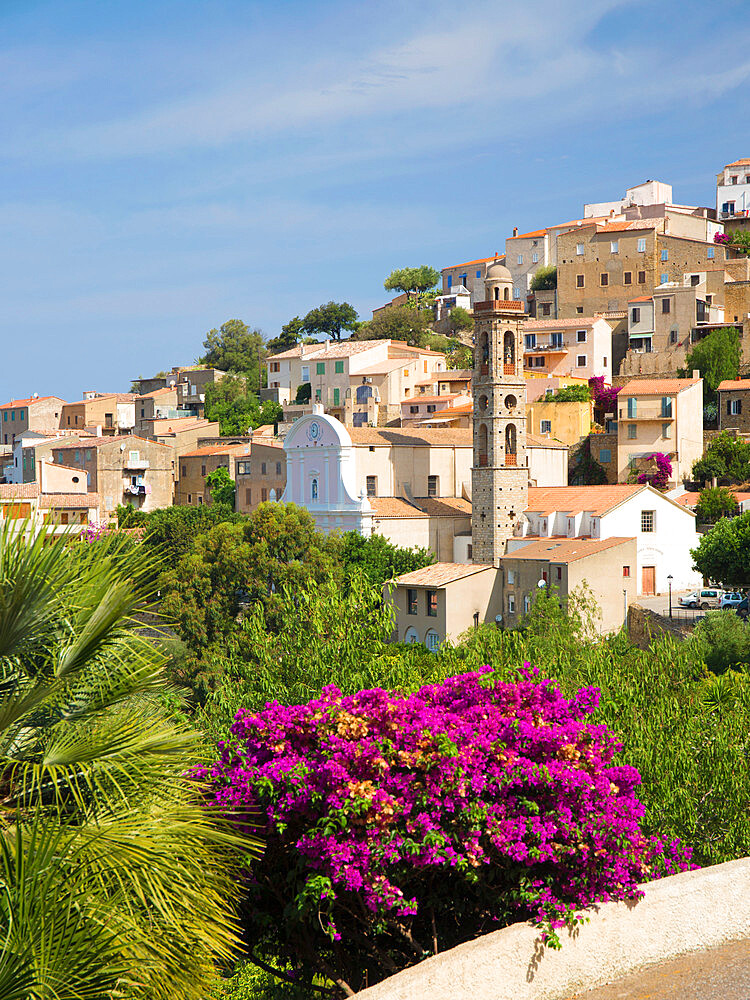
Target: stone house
470,275
734,405
195,465
260,476
108,413
36,413
122,469
580,347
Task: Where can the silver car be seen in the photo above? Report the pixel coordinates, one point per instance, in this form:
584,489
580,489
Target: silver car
703,599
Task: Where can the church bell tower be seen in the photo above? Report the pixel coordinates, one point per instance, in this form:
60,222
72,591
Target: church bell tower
499,476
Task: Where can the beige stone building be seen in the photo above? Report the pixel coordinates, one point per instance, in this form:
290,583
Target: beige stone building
107,413
734,405
441,602
360,382
123,469
68,511
191,488
568,564
660,416
189,383
260,476
602,266
417,409
36,413
470,275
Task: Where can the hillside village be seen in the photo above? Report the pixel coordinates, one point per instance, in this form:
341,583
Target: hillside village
534,420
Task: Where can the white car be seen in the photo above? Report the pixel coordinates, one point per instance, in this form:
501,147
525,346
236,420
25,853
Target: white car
703,599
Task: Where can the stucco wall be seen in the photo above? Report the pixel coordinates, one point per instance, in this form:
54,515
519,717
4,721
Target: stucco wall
680,914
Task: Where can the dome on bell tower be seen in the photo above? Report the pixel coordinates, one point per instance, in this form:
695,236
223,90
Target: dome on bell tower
498,283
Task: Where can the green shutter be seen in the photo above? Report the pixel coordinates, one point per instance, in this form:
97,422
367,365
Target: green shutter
336,396
339,367
320,368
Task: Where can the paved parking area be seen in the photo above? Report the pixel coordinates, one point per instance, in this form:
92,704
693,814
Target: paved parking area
720,974
660,603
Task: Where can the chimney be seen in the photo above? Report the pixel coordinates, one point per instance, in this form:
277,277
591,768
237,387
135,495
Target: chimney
302,352
515,230
328,346
317,408
696,373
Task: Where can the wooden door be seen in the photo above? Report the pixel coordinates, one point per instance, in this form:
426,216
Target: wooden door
648,580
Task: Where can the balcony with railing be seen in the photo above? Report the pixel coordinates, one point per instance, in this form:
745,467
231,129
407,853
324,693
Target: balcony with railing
557,346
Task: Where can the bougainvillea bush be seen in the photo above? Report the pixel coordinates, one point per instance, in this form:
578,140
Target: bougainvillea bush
398,825
605,396
661,477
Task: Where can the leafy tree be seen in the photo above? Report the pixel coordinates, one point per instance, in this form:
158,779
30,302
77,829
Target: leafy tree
291,334
171,531
715,503
330,319
396,323
716,357
571,394
726,457
221,486
459,319
234,347
722,640
304,393
545,278
236,409
379,559
234,565
587,471
115,877
412,280
723,553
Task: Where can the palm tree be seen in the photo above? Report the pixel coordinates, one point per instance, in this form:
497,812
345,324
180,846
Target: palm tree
116,879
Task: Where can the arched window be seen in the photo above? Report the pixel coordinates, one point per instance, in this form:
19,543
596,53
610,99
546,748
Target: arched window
432,641
510,444
497,293
314,489
509,348
483,354
510,402
411,635
482,445
363,393
506,295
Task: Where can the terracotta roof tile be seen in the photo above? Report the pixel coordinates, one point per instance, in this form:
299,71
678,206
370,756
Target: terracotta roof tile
575,499
441,574
56,501
565,550
525,236
657,386
424,398
420,507
18,491
479,260
460,437
560,324
729,384
226,449
28,402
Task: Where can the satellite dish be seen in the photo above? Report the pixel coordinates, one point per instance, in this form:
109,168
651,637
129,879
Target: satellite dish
542,584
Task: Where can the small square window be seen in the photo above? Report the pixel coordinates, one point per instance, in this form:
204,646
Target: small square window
666,431
580,336
635,315
641,277
579,281
647,520
520,258
614,246
511,604
710,253
511,577
666,305
641,246
604,278
411,602
626,571
545,427
479,274
432,486
546,306
581,361
579,310
558,572
632,431
665,255
663,278
579,249
627,278
432,604
535,258
605,456
372,486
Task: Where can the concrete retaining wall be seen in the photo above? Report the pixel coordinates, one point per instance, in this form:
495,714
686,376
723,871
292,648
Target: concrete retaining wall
689,912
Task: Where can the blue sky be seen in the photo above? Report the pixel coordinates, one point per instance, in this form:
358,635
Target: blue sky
170,164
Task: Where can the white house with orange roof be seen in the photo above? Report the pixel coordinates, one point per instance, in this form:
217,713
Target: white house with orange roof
733,190
660,416
417,409
579,347
663,528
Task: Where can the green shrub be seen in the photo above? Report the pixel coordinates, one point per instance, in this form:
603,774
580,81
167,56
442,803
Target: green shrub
722,640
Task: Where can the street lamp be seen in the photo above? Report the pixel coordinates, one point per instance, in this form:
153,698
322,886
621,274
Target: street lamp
669,581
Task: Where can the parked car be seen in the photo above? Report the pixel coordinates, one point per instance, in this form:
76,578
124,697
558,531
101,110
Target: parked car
731,600
709,598
742,608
